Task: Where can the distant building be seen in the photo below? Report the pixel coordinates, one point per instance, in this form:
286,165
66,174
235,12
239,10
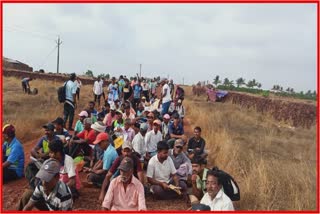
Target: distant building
11,64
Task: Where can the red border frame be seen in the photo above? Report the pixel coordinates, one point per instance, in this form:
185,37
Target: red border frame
167,2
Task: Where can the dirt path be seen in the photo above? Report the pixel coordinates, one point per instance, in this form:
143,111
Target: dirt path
88,200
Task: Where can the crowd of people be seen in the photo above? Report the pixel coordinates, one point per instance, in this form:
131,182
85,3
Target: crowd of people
134,145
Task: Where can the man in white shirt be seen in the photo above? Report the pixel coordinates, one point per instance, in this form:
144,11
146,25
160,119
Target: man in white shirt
138,142
165,99
97,90
161,174
215,197
152,138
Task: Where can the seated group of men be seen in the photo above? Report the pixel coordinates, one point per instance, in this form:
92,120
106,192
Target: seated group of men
175,166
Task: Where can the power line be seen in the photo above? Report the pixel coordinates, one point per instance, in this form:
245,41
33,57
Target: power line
48,56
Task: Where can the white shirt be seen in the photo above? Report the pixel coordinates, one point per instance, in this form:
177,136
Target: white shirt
68,167
97,89
166,98
78,83
151,140
220,203
160,171
138,144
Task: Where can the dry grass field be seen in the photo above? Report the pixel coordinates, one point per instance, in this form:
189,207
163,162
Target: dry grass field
274,164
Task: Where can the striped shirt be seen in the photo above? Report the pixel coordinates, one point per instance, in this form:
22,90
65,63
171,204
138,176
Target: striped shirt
59,199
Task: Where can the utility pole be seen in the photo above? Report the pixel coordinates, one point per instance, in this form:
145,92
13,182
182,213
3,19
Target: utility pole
140,70
58,43
182,80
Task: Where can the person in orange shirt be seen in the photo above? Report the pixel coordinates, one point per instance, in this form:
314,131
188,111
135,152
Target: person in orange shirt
125,192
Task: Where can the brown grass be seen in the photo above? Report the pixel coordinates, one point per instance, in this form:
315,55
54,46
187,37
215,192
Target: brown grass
274,164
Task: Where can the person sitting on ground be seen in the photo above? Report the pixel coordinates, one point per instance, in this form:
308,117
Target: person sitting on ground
150,119
13,154
43,143
144,102
137,170
151,140
125,191
140,110
97,152
110,117
79,127
96,176
165,127
59,130
25,84
82,140
51,193
68,173
104,109
198,179
92,112
180,109
161,173
127,113
215,197
138,142
181,161
179,94
176,130
196,145
127,131
119,122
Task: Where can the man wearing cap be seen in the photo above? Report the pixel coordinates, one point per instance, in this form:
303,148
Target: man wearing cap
126,151
176,130
59,130
138,142
96,176
179,108
161,173
215,197
70,104
198,179
13,154
165,127
43,143
125,192
50,193
79,127
97,154
82,140
151,140
165,99
179,159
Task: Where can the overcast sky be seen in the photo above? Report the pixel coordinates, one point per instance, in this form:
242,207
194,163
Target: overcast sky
273,43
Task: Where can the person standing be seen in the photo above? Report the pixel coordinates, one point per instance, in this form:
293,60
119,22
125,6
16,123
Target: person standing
97,90
113,93
165,99
79,84
70,104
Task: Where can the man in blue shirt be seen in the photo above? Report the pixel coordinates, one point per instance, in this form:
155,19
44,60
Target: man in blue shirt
176,131
98,173
137,90
13,155
70,103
